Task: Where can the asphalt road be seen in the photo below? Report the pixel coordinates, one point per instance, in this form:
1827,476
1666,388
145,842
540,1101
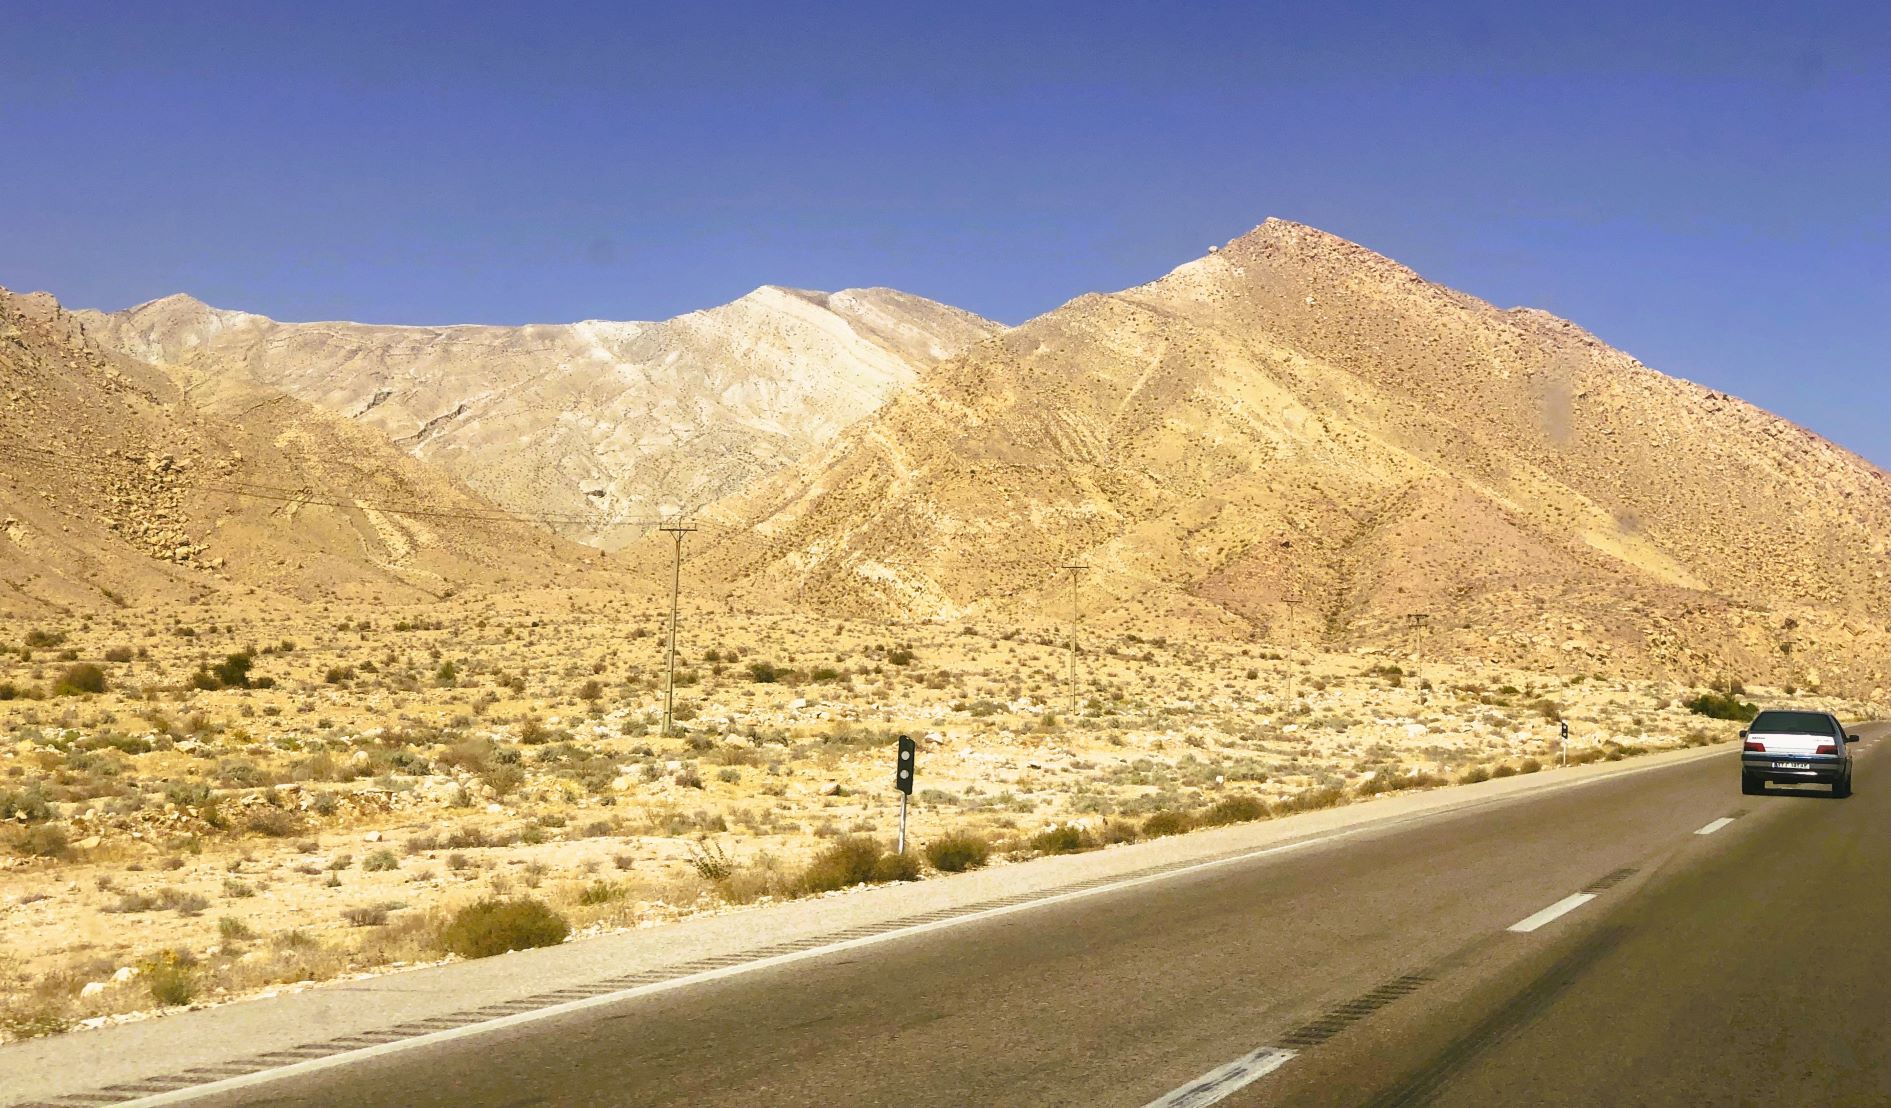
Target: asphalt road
1749,965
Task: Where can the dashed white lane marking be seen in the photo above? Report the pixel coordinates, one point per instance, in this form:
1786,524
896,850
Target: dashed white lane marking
1225,1081
1561,908
1715,826
315,1065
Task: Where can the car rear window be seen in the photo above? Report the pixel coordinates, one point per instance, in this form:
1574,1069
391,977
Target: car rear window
1793,723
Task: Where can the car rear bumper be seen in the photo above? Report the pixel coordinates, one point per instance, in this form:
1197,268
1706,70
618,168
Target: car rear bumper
1787,770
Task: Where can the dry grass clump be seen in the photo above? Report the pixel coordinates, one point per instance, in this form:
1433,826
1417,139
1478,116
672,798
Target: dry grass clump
598,893
27,1019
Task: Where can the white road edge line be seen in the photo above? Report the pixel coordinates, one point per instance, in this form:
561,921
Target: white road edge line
1561,908
1715,826
1224,1081
314,1065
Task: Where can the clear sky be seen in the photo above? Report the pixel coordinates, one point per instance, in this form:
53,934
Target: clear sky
1707,186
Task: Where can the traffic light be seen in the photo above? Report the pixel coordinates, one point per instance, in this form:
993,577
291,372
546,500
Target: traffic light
909,760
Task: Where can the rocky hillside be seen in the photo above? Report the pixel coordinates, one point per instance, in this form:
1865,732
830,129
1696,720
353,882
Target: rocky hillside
118,484
609,423
1297,439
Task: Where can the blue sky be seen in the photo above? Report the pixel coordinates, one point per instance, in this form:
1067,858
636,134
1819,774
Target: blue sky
1706,186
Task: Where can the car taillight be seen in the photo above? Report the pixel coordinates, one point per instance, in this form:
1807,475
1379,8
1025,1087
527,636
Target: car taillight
1755,744
1828,748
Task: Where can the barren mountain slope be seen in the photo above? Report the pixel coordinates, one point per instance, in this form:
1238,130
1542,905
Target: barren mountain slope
1297,438
117,484
609,422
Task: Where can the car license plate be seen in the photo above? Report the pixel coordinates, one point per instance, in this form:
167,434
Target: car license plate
1789,765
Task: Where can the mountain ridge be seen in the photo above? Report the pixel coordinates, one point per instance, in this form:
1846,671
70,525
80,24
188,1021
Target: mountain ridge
620,423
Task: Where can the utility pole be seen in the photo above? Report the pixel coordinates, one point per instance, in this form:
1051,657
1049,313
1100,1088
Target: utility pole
1070,679
1293,604
677,531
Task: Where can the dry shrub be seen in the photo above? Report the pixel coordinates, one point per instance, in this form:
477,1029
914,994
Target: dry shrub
1166,823
600,892
843,864
958,852
490,927
1064,838
170,976
44,840
80,680
710,861
367,915
1311,800
1234,809
274,823
896,867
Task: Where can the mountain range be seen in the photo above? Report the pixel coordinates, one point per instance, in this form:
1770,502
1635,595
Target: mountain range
1296,439
1291,440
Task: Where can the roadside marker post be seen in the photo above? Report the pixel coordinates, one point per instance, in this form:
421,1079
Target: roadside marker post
1562,749
903,781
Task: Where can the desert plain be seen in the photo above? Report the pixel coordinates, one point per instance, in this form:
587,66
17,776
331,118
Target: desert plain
262,799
